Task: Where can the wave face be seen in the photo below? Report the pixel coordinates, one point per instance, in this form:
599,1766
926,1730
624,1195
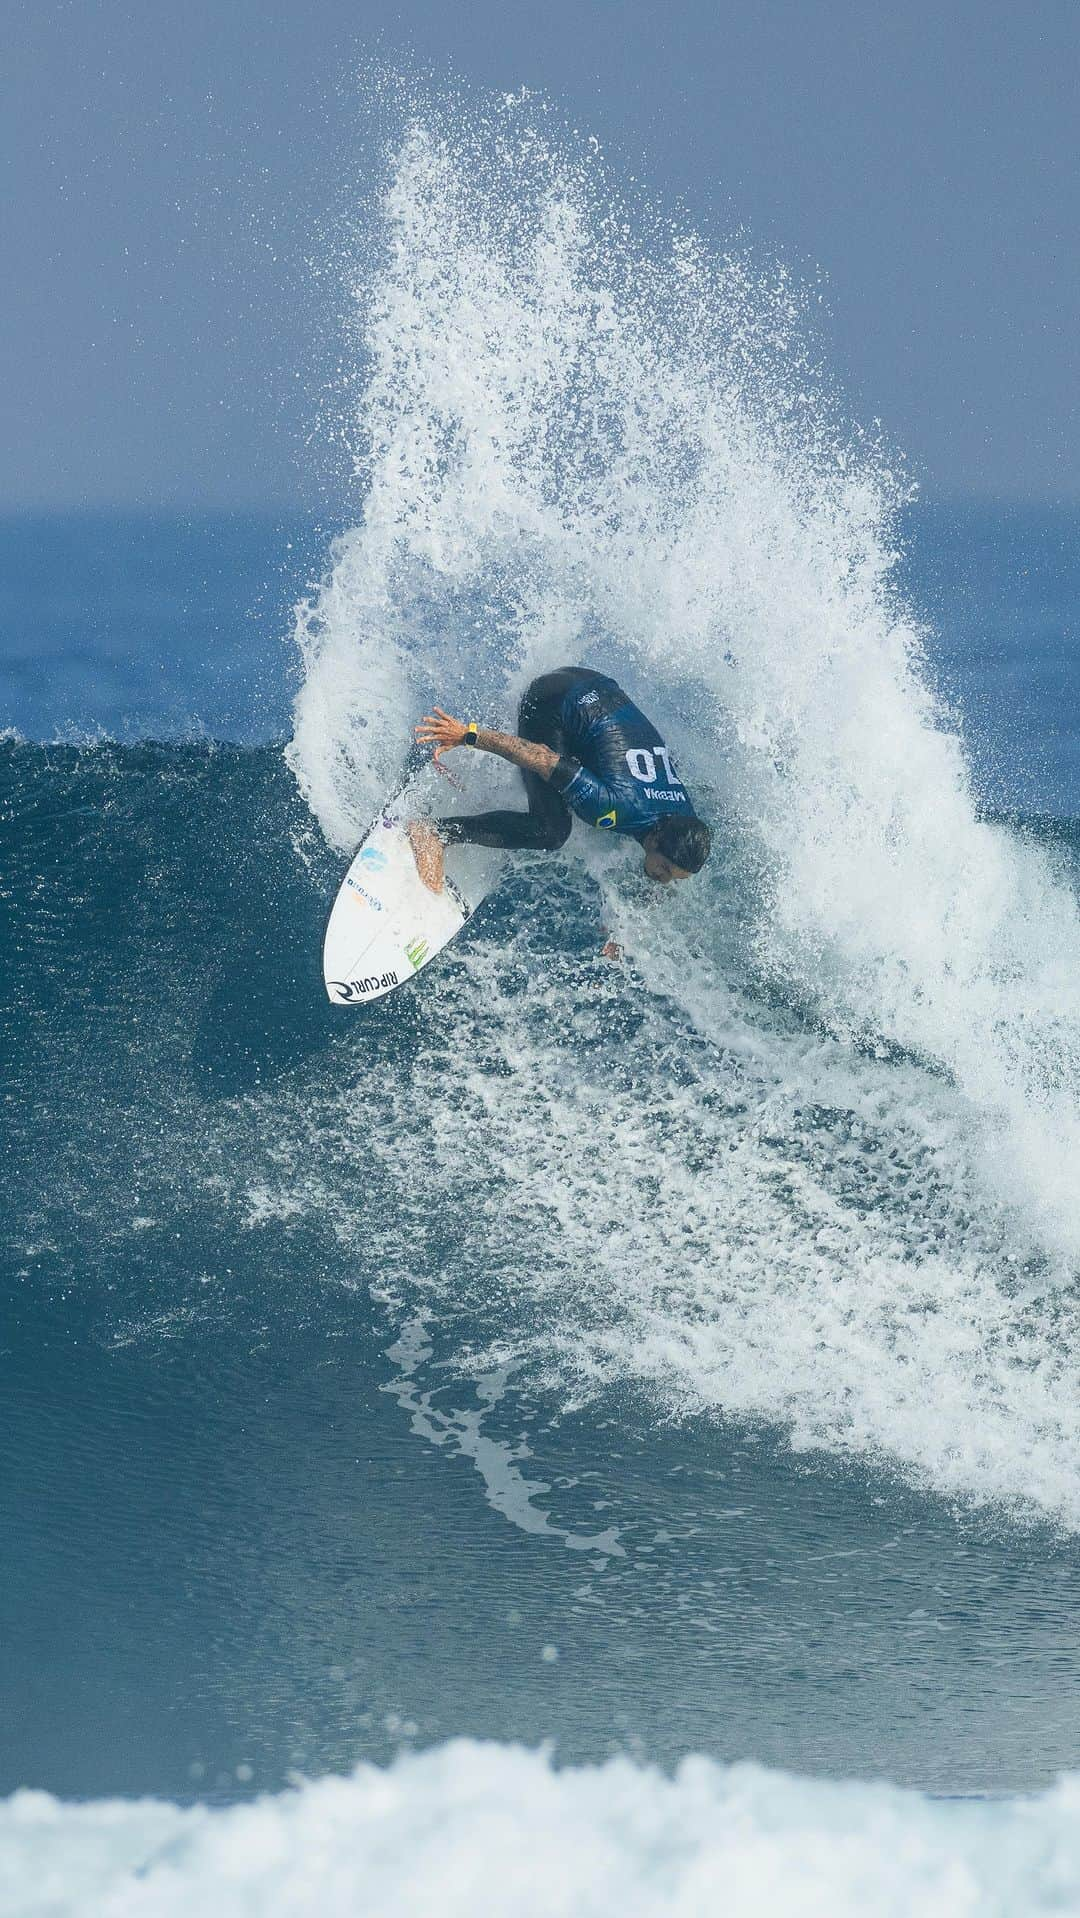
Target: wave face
809,1157
468,1827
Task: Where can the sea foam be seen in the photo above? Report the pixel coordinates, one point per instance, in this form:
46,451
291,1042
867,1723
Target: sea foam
473,1828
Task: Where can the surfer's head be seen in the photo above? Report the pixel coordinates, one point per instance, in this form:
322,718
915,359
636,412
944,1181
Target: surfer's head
676,848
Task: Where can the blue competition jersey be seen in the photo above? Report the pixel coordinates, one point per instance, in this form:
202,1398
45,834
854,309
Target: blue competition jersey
615,769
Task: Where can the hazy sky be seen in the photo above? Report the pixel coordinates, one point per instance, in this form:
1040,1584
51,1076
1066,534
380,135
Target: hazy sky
166,169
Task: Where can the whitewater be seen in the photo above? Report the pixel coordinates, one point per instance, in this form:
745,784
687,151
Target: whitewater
472,1826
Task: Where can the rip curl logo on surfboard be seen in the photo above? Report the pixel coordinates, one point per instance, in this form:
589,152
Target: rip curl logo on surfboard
350,989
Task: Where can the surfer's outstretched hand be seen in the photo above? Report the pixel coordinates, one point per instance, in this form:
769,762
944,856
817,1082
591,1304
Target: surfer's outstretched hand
438,729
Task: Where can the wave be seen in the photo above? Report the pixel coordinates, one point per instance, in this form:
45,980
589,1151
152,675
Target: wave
805,1158
811,1158
498,1828
573,447
662,1176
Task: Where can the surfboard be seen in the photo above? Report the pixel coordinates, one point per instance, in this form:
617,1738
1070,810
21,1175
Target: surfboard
386,925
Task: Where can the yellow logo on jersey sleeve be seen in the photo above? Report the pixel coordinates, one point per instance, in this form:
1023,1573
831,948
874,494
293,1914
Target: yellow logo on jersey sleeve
607,819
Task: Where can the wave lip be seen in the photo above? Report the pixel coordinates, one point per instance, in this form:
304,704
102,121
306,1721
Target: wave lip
470,1827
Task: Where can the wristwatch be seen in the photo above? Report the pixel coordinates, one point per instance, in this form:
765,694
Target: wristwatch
470,734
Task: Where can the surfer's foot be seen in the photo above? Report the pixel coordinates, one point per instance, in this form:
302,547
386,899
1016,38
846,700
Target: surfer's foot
427,852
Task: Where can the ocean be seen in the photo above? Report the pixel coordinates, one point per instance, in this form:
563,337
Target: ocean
572,1436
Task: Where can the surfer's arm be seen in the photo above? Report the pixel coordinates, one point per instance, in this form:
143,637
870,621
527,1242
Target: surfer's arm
526,753
439,730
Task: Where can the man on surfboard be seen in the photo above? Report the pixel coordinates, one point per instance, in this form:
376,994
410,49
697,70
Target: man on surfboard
582,747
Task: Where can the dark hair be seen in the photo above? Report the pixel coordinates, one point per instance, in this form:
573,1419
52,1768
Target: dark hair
685,841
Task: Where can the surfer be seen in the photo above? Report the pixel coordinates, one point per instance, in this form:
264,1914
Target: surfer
582,747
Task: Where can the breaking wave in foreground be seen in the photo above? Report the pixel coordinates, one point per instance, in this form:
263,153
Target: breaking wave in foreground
496,1829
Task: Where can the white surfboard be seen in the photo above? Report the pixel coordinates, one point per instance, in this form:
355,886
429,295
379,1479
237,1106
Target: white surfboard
386,925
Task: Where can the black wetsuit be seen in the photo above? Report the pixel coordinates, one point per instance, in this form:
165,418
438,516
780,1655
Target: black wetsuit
614,769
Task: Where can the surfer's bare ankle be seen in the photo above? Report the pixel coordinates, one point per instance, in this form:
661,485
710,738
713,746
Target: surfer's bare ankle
427,852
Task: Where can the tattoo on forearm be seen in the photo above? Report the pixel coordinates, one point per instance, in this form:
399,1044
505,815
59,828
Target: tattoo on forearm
520,752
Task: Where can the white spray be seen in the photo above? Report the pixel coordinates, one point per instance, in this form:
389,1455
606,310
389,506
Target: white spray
576,441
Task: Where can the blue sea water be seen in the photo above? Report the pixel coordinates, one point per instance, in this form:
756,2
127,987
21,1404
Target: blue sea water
676,1357
258,1519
